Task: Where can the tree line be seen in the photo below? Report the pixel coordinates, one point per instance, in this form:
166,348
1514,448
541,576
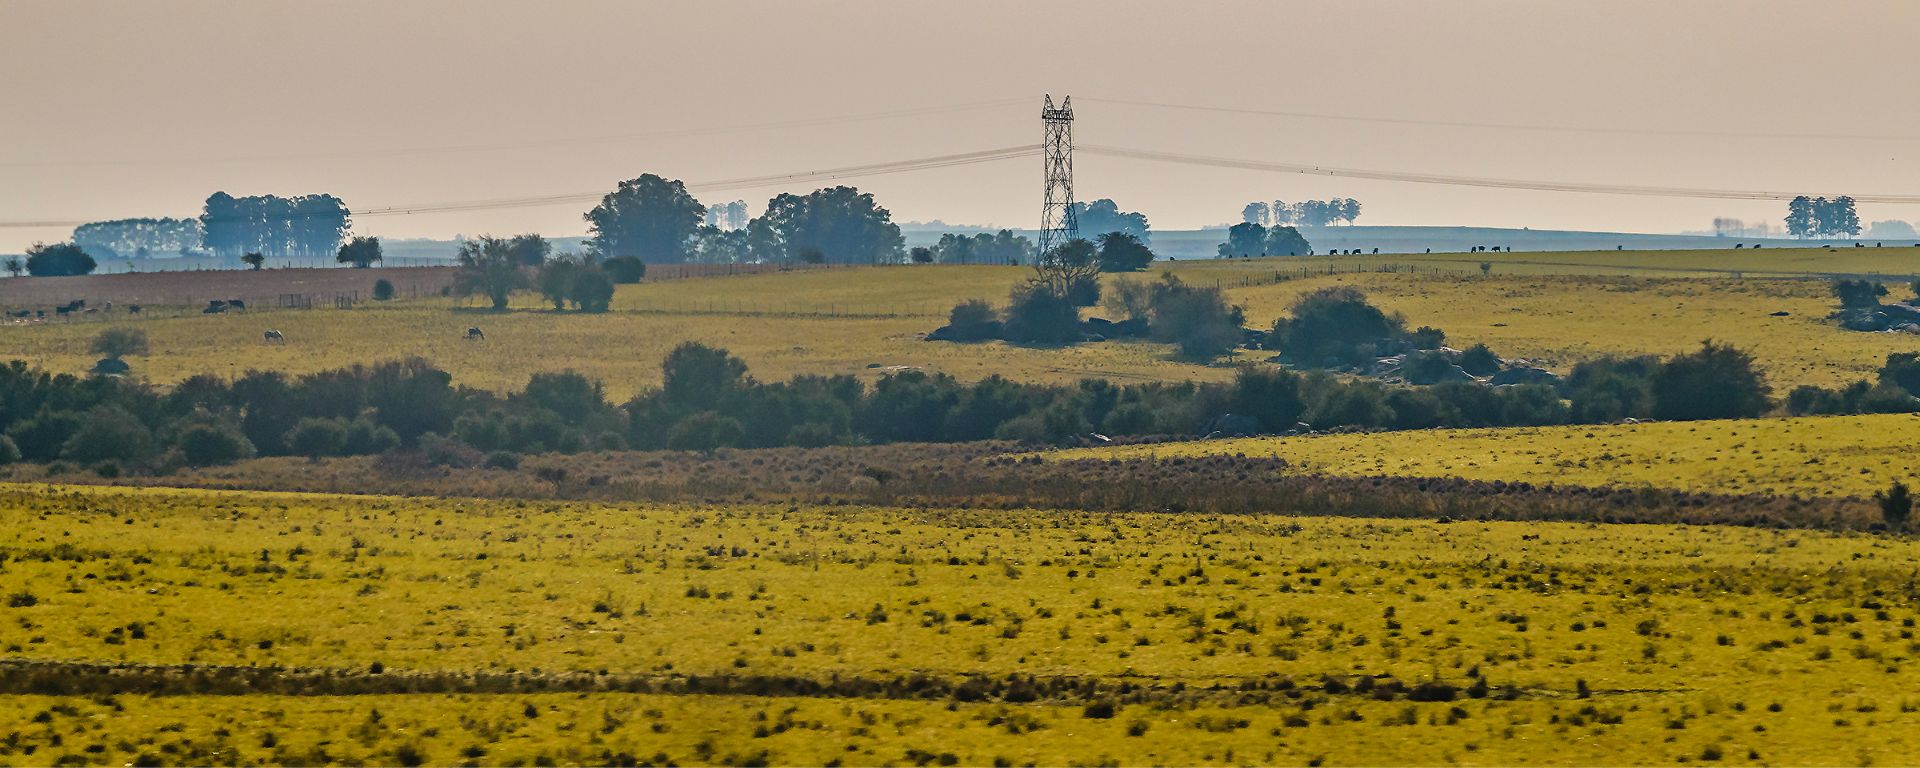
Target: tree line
138,238
707,400
305,226
1309,213
1821,217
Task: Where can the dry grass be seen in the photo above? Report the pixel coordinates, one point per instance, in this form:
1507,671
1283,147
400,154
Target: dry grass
1822,456
1616,644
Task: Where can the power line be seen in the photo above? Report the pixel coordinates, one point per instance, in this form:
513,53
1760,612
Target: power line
720,185
1507,126
572,141
1472,181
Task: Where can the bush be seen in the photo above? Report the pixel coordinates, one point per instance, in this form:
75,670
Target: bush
1426,367
9,453
1902,370
1130,299
972,320
1331,327
506,460
921,254
1478,360
1123,252
109,433
1609,389
58,260
1084,291
705,431
206,445
1715,382
592,291
1896,503
383,290
1036,316
625,270
41,437
314,438
119,342
447,452
1428,337
1858,294
1198,320
364,437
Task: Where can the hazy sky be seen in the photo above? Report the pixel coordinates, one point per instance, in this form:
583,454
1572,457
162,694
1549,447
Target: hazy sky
117,109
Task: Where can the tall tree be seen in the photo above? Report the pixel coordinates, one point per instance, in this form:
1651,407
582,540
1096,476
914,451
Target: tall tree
842,223
361,252
649,217
1245,239
222,227
1281,213
1844,219
737,214
1069,265
1288,241
1349,210
487,267
1122,252
1102,216
59,259
1256,213
530,250
1800,217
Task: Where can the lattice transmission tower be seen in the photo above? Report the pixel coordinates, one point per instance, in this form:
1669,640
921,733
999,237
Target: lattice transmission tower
1058,224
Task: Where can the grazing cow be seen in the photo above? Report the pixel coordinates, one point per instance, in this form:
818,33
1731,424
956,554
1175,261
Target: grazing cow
62,310
133,309
237,304
76,305
214,309
475,334
273,336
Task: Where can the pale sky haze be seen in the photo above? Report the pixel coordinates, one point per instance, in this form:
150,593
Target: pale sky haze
120,109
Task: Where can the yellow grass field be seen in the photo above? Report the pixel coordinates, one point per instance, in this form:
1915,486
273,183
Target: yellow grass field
865,321
1806,456
1149,638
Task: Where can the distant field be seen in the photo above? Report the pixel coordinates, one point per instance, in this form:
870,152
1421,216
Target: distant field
194,288
867,320
390,630
1810,456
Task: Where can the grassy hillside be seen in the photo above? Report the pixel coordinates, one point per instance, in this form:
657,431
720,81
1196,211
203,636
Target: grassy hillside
1812,456
390,631
867,320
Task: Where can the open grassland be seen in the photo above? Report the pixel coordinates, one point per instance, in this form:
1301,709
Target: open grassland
1816,456
390,630
1558,320
867,320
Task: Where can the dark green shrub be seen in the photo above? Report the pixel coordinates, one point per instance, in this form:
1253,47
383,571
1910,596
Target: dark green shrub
705,431
1198,320
1858,294
314,438
1428,337
1896,504
1479,360
206,445
1715,382
625,270
9,453
503,460
972,320
383,290
1036,316
1332,327
109,433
